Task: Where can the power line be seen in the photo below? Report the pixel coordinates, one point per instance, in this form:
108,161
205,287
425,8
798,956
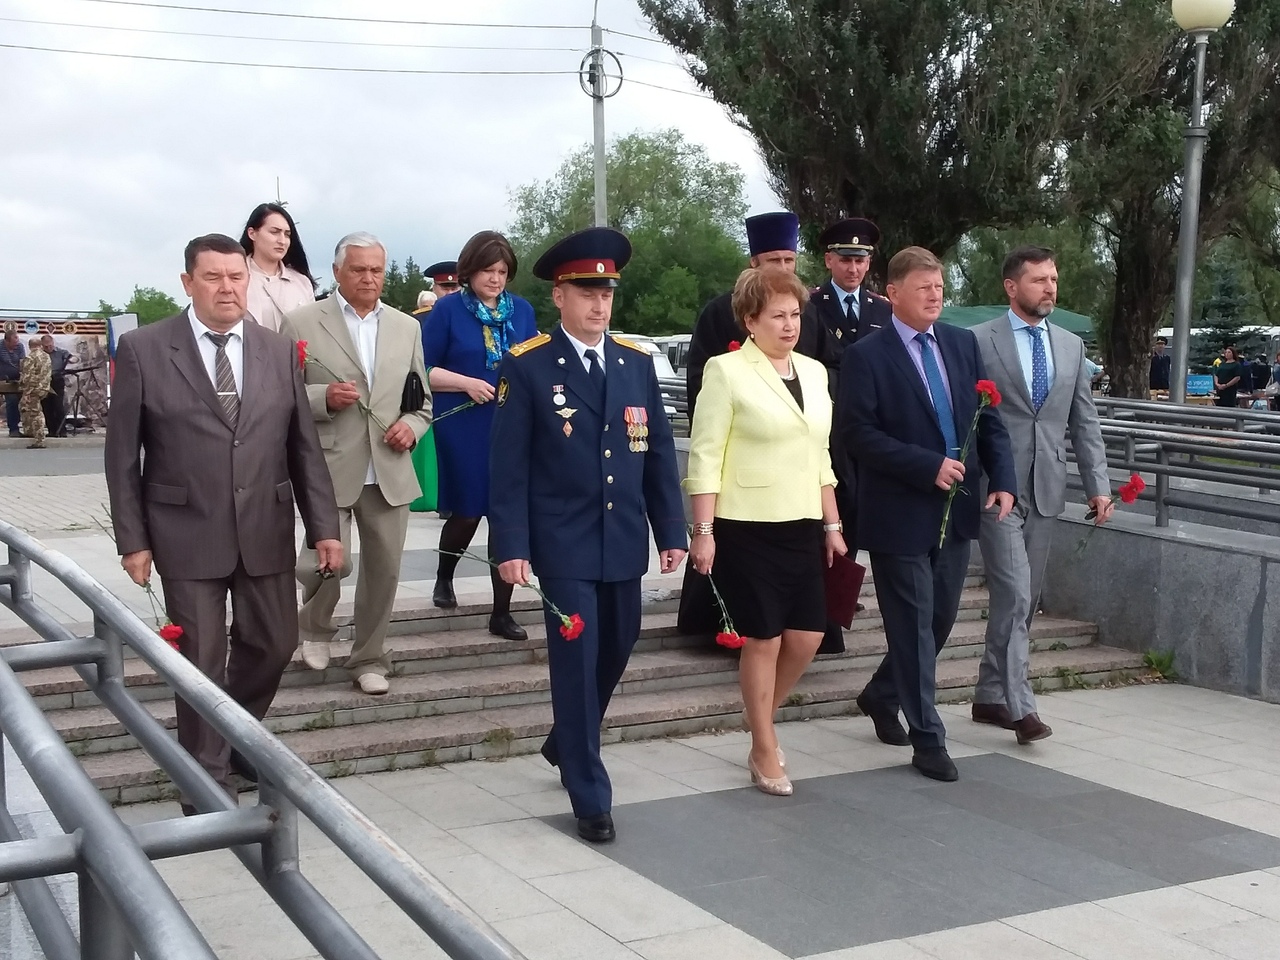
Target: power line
634,56
657,86
616,33
331,19
295,66
235,36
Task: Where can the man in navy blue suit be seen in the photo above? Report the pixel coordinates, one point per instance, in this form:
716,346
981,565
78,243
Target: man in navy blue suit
582,463
908,394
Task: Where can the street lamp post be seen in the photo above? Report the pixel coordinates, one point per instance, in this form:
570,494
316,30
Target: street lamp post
1199,18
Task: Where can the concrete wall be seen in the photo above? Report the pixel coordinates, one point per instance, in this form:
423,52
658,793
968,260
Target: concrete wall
1210,595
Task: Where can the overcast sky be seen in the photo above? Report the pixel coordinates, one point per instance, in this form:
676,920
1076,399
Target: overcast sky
108,166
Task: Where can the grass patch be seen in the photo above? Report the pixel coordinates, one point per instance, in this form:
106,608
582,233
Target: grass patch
1161,662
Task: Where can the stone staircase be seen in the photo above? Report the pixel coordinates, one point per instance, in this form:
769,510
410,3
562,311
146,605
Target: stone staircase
459,693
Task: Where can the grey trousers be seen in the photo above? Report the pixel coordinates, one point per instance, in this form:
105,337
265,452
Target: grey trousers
1014,554
382,530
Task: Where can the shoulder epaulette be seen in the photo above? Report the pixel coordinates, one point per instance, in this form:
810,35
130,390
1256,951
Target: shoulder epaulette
876,296
532,343
622,342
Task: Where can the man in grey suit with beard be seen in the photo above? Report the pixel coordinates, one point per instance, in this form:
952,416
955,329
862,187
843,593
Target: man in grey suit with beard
210,444
1041,372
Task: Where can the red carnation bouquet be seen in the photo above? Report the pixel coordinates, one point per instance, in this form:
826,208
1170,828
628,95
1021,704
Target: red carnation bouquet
169,631
304,358
1128,493
988,396
728,635
571,626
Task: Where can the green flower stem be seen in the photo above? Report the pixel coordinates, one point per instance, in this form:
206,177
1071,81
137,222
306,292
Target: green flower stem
983,403
534,587
364,407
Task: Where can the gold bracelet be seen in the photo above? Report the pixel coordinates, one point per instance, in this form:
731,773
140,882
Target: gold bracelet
702,529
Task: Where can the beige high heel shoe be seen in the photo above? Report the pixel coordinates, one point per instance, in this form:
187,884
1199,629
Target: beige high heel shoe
782,757
774,786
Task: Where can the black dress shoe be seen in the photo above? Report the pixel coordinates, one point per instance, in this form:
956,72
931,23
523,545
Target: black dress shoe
240,764
935,763
443,595
889,728
597,829
505,626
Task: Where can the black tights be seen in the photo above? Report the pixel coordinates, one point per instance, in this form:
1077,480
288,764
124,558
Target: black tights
455,537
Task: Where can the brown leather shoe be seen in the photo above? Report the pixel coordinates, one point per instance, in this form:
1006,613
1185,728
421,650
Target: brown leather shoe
1031,728
994,713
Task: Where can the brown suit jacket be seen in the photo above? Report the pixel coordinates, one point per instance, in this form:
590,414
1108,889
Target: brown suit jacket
199,495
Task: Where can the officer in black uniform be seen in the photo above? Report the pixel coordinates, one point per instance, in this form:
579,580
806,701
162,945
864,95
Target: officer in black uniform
846,306
582,463
444,277
773,239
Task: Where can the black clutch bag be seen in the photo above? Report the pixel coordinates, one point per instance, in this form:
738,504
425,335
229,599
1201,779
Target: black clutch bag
414,397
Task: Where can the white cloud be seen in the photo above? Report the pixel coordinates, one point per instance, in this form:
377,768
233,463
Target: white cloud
111,165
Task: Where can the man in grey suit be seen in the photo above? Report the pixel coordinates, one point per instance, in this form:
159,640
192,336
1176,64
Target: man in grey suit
1041,372
361,353
210,444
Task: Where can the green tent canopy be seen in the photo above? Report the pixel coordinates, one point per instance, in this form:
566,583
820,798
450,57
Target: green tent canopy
972,316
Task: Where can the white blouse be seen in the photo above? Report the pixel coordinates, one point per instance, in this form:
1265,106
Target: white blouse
270,298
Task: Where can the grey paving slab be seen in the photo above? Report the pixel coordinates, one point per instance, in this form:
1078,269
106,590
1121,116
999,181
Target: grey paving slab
883,855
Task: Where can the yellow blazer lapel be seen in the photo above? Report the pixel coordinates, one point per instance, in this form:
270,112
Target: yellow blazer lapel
760,363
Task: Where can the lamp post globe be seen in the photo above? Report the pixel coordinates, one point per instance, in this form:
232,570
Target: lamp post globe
1195,16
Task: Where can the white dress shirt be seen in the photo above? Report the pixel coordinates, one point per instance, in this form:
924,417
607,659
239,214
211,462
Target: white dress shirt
582,349
364,334
1022,340
209,350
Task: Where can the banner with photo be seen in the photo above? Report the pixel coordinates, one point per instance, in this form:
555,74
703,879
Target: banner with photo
86,379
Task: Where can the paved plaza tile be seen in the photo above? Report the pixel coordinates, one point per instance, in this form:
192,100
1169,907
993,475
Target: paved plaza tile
1142,829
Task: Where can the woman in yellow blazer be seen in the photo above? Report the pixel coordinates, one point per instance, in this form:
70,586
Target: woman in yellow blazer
764,504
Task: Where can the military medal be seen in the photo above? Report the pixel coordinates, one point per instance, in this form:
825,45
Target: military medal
567,412
637,428
568,428
557,395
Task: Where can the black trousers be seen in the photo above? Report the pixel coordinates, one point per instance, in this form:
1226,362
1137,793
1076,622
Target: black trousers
919,598
54,407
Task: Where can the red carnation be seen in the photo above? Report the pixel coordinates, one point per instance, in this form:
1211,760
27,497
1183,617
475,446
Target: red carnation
734,345
171,633
572,627
730,640
1129,492
302,353
990,392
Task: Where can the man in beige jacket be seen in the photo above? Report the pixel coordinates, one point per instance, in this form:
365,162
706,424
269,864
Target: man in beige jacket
359,353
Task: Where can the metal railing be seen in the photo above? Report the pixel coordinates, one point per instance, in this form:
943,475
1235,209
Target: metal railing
1238,449
125,905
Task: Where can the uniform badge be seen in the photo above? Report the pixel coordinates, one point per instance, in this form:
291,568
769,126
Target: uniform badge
637,419
567,412
557,395
839,333
503,387
568,428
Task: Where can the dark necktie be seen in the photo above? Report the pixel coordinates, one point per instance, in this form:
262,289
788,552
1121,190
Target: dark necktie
938,391
850,315
1039,369
595,372
224,380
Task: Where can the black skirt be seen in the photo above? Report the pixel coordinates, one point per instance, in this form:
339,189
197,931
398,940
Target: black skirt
771,575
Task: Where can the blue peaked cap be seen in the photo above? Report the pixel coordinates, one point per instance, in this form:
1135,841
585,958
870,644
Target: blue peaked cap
773,231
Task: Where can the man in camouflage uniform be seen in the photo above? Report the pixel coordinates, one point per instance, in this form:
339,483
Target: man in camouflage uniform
34,381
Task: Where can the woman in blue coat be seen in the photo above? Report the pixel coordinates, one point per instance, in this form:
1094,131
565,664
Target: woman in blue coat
469,333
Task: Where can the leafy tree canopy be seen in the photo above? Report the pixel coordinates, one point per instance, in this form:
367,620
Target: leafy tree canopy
148,303
682,211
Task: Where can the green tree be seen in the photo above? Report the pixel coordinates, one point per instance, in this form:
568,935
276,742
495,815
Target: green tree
682,211
147,303
1228,315
403,284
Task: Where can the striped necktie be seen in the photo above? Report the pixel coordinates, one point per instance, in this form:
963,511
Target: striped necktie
224,379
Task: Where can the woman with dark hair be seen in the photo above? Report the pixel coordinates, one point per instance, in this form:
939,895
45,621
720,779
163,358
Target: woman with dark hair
279,278
1226,378
463,345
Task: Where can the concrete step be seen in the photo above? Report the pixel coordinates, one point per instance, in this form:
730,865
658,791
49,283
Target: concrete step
94,729
129,776
460,641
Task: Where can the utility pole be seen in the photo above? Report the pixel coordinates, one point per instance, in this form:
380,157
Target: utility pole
591,76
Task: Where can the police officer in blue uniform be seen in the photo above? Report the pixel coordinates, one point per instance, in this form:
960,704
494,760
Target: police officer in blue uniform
582,463
845,305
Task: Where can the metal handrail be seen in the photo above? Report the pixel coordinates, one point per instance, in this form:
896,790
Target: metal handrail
123,899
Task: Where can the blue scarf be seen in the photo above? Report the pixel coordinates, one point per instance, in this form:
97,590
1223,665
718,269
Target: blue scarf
496,324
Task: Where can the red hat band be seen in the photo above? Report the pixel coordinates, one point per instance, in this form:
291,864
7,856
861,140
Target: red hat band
594,269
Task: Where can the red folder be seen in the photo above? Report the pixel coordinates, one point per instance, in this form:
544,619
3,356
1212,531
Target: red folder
843,584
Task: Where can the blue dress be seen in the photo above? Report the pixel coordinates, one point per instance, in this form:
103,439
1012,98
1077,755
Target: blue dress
453,340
